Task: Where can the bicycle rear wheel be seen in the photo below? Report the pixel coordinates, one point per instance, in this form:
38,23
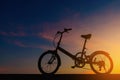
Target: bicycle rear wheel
49,62
101,62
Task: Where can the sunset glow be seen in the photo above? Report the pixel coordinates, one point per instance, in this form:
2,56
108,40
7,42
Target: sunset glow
26,32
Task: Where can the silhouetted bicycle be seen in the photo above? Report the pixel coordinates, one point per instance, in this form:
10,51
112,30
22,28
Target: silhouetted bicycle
100,61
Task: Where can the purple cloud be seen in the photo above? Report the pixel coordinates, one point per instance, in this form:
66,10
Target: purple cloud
20,44
17,34
20,34
3,33
45,36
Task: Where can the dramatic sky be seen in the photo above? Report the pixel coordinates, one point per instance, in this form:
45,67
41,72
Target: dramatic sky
27,28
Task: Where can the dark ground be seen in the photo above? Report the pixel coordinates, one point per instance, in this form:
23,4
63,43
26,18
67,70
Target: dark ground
59,77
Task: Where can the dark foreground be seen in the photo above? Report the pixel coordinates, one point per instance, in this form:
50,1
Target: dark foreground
59,77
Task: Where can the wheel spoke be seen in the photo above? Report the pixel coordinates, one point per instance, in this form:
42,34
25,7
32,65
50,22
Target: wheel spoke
101,63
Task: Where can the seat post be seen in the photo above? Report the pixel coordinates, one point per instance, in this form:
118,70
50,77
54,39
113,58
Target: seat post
84,46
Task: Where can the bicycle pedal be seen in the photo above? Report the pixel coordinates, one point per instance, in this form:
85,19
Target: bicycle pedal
73,67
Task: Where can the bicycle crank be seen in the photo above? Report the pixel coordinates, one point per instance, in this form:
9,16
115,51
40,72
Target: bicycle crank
79,61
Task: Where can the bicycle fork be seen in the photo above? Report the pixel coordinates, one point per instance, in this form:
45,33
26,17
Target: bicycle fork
51,59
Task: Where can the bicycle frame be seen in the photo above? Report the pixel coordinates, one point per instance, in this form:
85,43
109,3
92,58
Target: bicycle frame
68,53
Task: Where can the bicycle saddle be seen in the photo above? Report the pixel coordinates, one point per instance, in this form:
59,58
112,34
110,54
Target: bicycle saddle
88,36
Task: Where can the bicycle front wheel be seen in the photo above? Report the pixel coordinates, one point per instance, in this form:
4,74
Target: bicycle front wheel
101,62
49,62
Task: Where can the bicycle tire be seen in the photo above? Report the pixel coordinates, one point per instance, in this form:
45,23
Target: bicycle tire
40,67
104,54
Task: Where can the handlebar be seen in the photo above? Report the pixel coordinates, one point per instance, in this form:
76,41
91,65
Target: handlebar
65,30
61,34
